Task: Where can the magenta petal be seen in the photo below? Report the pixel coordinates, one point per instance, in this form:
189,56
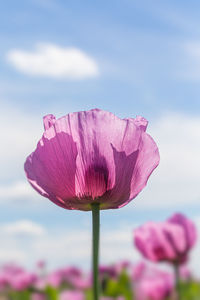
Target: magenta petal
124,166
51,168
148,160
188,227
139,121
48,121
176,238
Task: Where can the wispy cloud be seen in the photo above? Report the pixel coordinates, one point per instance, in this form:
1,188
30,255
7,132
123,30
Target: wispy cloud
73,246
50,60
19,136
18,189
22,227
175,183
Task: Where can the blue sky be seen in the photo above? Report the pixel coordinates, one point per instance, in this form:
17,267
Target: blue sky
147,60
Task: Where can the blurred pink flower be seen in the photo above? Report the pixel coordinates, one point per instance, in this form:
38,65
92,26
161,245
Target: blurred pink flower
72,295
138,271
71,276
4,281
107,271
38,296
185,273
167,241
110,298
92,156
23,281
16,277
41,264
158,287
122,266
151,283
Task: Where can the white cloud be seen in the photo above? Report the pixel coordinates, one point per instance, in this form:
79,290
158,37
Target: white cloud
23,227
26,242
176,180
54,61
19,135
61,247
18,189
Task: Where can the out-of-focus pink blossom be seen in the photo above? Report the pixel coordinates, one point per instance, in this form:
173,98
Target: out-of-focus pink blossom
184,273
109,298
92,156
167,241
12,276
38,296
153,289
122,266
4,281
153,284
71,276
107,271
12,269
23,281
41,264
138,271
72,295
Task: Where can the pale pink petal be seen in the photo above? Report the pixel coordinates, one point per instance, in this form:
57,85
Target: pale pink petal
48,121
51,168
188,227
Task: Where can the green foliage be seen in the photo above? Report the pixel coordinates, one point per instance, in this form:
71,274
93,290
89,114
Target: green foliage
52,293
19,295
120,287
190,290
112,288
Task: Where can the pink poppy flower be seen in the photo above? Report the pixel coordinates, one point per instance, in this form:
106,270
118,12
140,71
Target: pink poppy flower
167,241
92,156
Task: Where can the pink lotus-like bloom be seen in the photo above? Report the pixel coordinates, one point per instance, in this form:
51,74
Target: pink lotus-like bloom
92,157
167,241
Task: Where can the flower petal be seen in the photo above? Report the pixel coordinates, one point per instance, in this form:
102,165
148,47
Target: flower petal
51,168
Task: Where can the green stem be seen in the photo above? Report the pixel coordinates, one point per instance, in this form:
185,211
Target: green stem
95,249
177,282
